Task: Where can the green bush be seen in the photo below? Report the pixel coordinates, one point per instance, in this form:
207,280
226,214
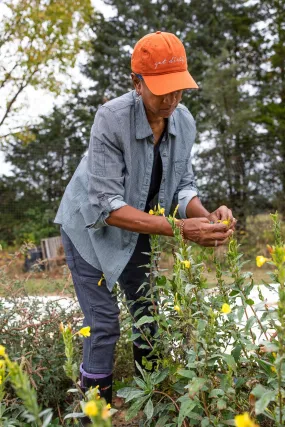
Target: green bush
219,353
29,329
217,358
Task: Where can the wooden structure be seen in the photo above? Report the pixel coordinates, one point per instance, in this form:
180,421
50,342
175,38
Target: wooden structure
52,250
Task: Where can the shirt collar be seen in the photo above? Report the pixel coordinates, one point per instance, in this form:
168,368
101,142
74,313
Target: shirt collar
143,129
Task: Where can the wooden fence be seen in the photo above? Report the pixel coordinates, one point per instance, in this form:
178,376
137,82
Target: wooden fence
52,251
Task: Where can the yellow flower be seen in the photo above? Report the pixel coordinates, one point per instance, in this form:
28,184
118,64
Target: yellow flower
2,364
85,332
151,212
2,351
162,210
186,263
225,221
260,260
91,409
61,327
106,412
226,309
244,421
177,308
273,369
101,280
274,355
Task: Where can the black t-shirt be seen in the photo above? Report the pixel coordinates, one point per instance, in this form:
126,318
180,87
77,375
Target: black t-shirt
156,174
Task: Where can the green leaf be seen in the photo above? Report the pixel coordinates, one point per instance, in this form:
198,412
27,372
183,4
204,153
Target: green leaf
158,377
148,410
135,408
74,415
188,288
216,392
145,319
221,404
249,301
236,352
230,361
162,421
264,401
134,337
196,385
186,373
259,390
185,410
249,324
234,293
130,393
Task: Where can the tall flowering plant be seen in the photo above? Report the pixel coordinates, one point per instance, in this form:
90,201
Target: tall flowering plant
218,350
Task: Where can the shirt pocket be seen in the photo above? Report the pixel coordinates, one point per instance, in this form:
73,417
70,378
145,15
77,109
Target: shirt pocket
179,168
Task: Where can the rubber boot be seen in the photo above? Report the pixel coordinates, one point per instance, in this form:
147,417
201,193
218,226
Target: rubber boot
105,389
139,353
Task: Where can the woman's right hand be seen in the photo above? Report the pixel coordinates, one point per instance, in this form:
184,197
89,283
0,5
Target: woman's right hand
201,231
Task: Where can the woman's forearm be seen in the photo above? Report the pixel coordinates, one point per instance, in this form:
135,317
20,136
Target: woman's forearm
133,219
195,209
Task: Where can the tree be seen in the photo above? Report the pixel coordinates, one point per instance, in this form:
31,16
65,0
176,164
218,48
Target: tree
270,86
42,167
223,57
39,41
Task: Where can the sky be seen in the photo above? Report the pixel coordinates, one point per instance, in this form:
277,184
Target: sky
40,102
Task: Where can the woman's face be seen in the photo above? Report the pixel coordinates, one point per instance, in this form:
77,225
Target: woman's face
157,105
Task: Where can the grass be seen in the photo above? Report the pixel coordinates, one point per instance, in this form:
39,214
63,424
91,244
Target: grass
46,285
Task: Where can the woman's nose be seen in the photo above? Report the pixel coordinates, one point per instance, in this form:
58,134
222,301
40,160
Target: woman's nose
170,98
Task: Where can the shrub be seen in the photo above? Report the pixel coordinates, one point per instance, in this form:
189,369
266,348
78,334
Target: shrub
219,353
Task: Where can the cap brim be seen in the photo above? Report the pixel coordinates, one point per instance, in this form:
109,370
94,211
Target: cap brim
166,83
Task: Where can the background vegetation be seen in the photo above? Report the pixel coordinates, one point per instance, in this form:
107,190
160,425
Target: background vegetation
236,54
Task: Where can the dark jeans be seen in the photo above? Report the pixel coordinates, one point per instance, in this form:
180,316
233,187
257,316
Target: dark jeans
100,307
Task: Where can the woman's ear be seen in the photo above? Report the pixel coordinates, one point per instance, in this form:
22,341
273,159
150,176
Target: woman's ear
137,83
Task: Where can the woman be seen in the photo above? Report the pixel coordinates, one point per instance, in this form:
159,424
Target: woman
139,154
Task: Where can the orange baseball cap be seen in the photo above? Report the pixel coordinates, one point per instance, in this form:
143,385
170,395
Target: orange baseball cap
160,58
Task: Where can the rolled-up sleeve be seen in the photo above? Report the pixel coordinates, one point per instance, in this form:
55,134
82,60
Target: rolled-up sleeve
106,168
186,190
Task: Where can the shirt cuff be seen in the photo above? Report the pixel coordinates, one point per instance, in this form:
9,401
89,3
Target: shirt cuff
184,197
115,204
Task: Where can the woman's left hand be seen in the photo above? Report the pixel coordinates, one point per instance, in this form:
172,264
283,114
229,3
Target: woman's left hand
223,214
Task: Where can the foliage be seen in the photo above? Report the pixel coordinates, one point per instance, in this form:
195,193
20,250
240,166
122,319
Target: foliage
29,331
217,356
39,40
219,353
41,170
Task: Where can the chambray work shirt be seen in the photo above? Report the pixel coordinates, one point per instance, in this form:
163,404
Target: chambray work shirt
117,172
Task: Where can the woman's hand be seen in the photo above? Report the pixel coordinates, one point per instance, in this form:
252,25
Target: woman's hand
223,214
201,231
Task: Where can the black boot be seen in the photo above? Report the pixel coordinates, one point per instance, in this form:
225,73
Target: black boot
139,353
105,389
